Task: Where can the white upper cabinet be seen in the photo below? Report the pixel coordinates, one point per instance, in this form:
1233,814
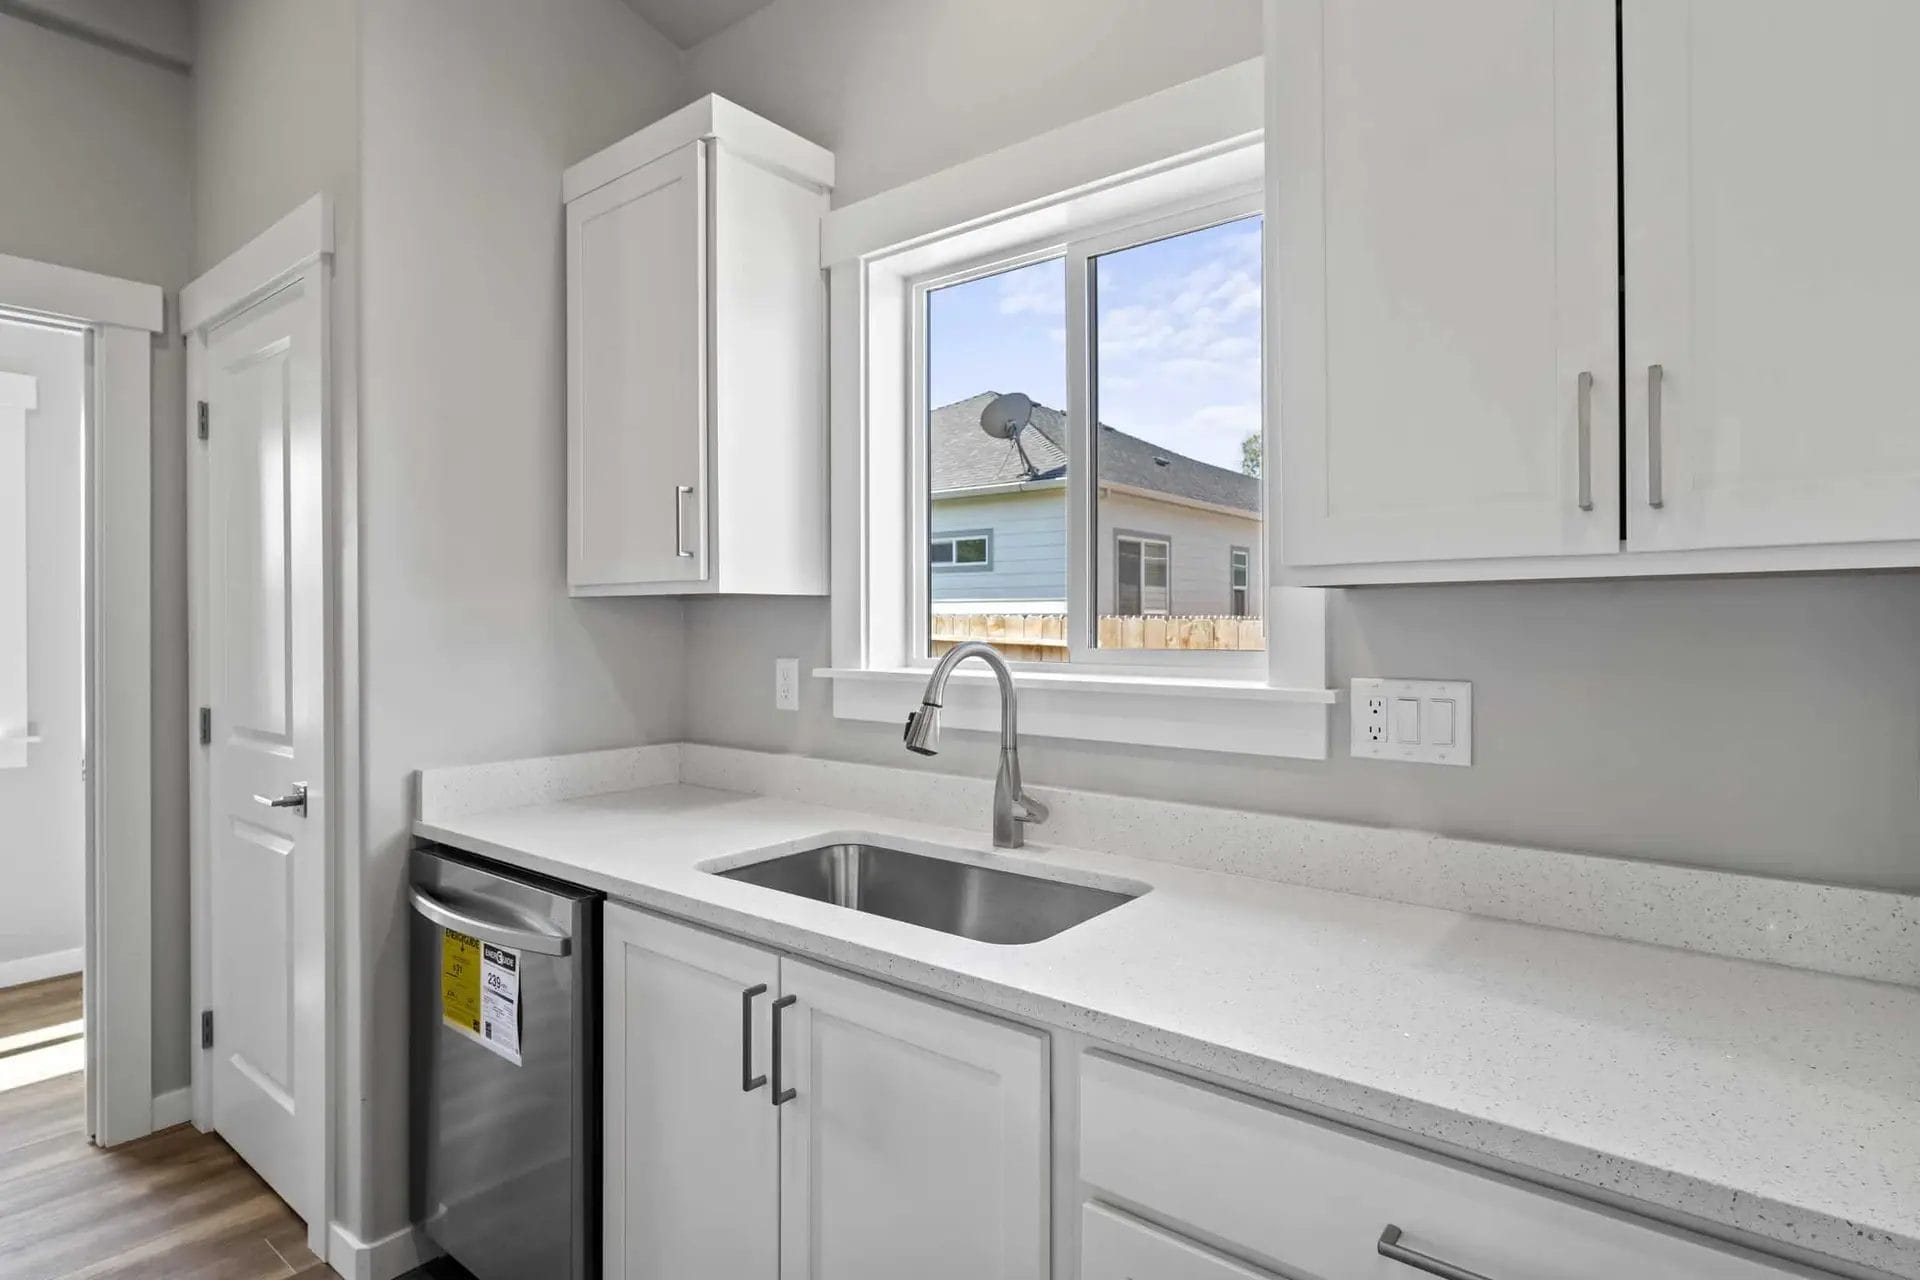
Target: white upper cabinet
1773,271
696,357
1445,278
1453,253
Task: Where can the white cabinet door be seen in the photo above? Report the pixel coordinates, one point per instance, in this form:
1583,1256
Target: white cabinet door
915,1142
1444,271
637,376
692,1177
1772,271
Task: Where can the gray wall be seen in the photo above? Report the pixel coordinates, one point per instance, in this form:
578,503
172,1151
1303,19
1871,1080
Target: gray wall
471,648
97,149
1767,725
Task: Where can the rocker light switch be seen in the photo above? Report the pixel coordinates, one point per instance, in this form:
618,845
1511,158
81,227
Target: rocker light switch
1416,721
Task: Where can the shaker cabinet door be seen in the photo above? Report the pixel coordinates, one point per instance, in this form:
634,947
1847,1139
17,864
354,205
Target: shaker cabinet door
691,1175
1772,272
1444,278
637,376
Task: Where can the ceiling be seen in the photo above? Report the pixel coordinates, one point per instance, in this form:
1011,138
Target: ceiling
688,22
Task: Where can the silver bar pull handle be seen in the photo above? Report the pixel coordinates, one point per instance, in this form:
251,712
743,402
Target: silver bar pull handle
1390,1247
499,928
1586,441
680,492
1656,482
295,800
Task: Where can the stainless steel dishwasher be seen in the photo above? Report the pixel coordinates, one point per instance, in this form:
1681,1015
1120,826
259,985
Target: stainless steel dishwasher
505,1015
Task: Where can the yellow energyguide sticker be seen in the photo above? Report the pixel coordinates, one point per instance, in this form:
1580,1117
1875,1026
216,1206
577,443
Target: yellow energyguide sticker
460,980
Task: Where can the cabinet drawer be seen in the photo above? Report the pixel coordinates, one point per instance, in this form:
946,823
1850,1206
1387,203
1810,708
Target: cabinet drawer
1116,1247
1312,1198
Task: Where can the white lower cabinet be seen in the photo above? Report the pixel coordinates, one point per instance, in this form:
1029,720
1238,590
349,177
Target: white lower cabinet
886,1135
1307,1198
1114,1246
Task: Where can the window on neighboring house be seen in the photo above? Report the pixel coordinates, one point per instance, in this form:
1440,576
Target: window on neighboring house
1070,395
1142,578
961,551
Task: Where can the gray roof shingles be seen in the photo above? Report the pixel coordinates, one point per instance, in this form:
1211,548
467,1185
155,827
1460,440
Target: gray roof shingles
965,457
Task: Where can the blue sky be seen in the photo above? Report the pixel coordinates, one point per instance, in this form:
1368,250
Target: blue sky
1178,339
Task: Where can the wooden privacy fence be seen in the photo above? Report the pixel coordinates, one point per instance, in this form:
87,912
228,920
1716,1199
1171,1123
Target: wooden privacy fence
1042,637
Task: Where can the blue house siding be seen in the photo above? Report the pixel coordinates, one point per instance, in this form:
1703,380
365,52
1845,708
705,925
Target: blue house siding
1029,553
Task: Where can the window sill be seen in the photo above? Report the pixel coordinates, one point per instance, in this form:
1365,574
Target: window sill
1171,711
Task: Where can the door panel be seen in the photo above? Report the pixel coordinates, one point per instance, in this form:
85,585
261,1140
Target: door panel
692,1180
637,383
916,1142
1444,270
265,665
1772,270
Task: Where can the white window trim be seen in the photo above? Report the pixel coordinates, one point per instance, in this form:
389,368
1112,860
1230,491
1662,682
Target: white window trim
1185,148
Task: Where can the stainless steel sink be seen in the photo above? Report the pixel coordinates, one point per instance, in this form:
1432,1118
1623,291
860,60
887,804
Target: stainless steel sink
986,904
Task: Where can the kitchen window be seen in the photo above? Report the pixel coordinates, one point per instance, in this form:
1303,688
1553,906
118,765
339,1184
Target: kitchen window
1071,372
1066,396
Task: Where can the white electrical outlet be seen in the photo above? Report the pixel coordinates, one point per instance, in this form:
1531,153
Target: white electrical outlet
1419,721
786,684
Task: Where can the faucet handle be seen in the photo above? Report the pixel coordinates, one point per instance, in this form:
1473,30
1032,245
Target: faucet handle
1029,810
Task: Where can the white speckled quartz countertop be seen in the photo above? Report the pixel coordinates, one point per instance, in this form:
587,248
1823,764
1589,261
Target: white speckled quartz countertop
1778,1103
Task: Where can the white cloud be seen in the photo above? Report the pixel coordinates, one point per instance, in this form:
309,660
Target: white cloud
1031,293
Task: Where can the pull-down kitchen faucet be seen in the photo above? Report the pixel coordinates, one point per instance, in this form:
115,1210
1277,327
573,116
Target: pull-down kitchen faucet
1012,807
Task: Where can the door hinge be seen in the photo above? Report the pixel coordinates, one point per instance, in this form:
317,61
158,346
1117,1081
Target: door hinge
203,419
206,1028
206,726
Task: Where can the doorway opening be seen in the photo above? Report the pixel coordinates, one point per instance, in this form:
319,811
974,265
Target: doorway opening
43,713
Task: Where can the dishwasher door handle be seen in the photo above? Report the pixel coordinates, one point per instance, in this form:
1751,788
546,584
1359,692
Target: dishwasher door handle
501,931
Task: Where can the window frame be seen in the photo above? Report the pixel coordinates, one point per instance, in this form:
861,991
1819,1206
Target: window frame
1201,139
1173,218
1143,540
1239,560
957,565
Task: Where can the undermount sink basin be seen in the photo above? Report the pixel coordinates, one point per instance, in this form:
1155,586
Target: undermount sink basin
987,904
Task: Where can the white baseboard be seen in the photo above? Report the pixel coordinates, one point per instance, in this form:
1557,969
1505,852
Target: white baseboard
54,964
383,1259
170,1109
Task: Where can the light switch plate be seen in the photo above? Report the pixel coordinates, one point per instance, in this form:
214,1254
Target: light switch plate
1418,721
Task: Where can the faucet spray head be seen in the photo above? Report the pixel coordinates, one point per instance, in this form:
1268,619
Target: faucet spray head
923,730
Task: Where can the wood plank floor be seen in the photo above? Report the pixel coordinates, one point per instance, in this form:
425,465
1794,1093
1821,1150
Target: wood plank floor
177,1204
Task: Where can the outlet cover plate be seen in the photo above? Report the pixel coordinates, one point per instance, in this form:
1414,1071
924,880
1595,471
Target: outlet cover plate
1386,727
786,684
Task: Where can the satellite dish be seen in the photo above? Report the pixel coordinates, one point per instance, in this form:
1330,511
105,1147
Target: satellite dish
1005,416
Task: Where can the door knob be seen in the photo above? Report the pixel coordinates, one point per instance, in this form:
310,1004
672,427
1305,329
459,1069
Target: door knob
295,800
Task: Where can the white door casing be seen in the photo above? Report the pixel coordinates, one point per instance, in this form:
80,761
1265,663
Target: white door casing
1772,269
1444,253
916,1142
262,632
120,318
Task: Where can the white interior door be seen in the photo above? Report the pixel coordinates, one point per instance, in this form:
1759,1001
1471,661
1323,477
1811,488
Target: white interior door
264,653
915,1142
1772,271
637,376
1444,278
43,739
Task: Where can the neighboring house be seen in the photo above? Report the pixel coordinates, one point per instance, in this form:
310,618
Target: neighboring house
1177,536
